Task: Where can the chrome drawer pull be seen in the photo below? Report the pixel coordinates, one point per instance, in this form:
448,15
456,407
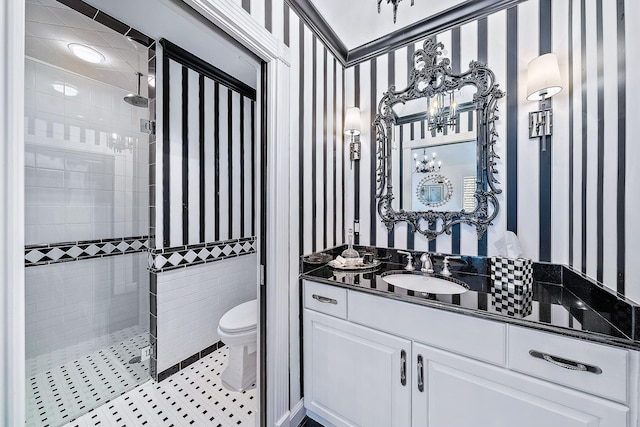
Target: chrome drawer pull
403,367
420,373
324,300
566,363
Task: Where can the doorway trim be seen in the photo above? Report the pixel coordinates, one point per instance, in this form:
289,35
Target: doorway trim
273,394
12,306
233,20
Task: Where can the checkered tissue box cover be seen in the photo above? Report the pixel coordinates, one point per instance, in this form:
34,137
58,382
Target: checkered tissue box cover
512,285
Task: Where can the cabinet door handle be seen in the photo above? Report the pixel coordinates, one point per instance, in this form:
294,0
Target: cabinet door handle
403,367
324,300
566,363
420,373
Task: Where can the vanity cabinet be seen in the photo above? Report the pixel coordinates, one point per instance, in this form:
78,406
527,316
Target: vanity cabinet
355,376
374,361
459,391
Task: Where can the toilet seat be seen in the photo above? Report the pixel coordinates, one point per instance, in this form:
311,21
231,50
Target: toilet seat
241,318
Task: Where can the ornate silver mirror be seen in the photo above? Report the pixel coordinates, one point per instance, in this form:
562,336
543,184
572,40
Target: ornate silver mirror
445,174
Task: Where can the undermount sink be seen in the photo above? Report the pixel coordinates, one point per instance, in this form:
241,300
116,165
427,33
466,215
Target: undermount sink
426,283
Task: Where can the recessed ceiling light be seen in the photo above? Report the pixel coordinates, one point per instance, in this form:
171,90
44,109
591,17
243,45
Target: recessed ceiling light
65,88
86,53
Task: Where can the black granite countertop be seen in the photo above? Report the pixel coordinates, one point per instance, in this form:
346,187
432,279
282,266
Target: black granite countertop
563,301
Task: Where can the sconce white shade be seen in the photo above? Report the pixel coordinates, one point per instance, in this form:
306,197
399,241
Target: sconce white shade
543,77
352,121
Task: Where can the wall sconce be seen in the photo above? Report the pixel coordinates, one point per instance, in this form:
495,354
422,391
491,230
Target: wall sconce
543,81
352,127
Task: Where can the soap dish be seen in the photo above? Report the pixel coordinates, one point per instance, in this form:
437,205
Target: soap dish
336,265
317,258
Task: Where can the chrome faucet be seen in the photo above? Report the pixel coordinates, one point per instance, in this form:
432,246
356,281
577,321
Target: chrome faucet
445,265
409,266
427,265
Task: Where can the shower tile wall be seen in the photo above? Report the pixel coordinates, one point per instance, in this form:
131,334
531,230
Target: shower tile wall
73,303
78,188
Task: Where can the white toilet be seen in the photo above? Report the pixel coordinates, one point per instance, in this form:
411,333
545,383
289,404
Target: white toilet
238,330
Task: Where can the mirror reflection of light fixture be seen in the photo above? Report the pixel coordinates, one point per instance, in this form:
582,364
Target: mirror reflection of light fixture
427,165
440,115
395,7
543,81
119,143
352,127
65,88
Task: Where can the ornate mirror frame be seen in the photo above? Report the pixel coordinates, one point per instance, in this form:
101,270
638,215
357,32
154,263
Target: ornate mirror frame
431,79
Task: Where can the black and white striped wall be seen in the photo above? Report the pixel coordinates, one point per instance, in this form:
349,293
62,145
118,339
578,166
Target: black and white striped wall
573,204
319,186
208,155
203,205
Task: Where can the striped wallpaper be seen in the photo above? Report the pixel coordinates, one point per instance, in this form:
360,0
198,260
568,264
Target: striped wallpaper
568,205
209,159
573,204
327,196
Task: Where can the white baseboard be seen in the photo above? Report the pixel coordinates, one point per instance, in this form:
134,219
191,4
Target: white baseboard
284,420
298,412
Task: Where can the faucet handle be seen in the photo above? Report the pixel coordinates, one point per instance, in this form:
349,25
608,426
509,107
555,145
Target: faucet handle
409,266
445,265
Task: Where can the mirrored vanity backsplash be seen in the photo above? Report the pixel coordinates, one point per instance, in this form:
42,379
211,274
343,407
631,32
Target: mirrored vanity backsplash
558,299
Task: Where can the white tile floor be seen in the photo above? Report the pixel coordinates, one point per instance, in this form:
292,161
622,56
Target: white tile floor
193,397
58,393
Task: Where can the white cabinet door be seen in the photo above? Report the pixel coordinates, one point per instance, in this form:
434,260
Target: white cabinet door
355,376
460,392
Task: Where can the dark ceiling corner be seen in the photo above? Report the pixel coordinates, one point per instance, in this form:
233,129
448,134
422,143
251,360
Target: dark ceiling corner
435,24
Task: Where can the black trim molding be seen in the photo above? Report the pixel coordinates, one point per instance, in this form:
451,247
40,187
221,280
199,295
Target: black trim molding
310,15
455,16
108,21
188,361
191,61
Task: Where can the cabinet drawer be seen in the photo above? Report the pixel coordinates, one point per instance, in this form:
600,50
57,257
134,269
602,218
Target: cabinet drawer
476,338
326,299
555,358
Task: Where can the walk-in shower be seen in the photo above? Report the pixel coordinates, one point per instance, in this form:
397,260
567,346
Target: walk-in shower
86,208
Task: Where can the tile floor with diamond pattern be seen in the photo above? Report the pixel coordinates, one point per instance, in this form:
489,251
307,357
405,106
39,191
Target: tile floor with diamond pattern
192,397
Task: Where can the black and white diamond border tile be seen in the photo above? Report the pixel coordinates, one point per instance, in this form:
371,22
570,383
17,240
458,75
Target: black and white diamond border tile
85,249
182,256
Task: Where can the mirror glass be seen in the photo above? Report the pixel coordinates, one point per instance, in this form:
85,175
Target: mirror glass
454,170
435,147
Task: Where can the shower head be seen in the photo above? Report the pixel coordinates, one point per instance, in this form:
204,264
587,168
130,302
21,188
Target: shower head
137,100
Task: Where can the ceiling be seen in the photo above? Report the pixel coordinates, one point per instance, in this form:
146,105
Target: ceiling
360,23
51,26
354,31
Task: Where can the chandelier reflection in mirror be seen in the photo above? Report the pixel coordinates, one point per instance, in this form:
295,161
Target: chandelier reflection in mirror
119,143
440,115
395,7
427,165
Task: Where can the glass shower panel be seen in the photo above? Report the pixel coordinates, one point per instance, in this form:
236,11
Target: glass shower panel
86,207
